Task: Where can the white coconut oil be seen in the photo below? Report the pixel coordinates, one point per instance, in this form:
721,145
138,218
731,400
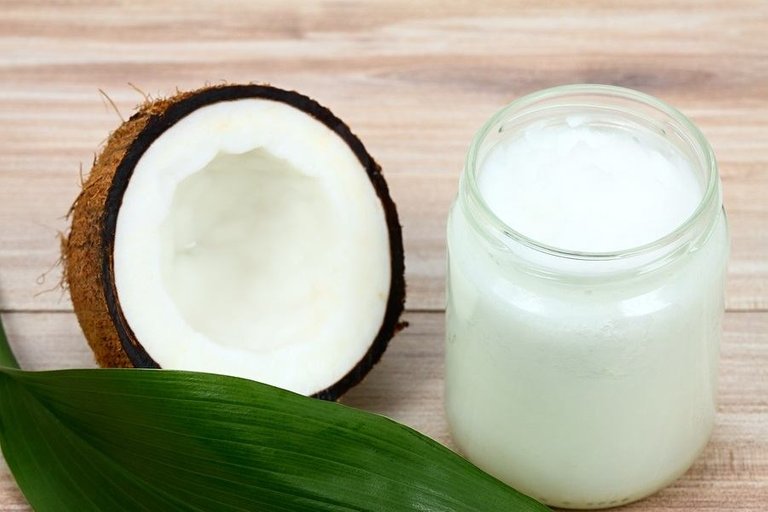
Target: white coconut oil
587,252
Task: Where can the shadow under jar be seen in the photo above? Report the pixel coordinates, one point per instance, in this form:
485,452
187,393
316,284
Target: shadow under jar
583,373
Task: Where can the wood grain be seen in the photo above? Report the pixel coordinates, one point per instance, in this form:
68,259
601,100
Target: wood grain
414,80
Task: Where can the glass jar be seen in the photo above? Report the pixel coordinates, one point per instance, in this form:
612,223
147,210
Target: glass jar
585,380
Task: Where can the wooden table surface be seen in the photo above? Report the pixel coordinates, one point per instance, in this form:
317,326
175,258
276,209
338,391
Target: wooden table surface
414,80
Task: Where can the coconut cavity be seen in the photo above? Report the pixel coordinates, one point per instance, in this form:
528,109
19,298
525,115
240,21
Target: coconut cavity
246,232
241,242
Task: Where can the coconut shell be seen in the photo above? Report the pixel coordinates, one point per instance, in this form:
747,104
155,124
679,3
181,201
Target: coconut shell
87,250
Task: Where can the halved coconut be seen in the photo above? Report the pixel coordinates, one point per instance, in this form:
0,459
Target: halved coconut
241,230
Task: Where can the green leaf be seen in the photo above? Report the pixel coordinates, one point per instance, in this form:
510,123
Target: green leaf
158,440
7,358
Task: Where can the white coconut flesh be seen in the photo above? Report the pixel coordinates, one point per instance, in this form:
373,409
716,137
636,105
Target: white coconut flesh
250,242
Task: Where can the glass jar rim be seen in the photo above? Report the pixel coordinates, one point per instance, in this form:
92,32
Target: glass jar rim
710,194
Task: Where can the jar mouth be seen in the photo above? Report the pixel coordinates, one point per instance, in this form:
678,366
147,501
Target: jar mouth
579,93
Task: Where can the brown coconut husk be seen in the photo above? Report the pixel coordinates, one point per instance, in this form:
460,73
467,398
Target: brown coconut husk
81,249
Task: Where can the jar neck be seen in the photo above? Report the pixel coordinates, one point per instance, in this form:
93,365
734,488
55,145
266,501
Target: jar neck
609,104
